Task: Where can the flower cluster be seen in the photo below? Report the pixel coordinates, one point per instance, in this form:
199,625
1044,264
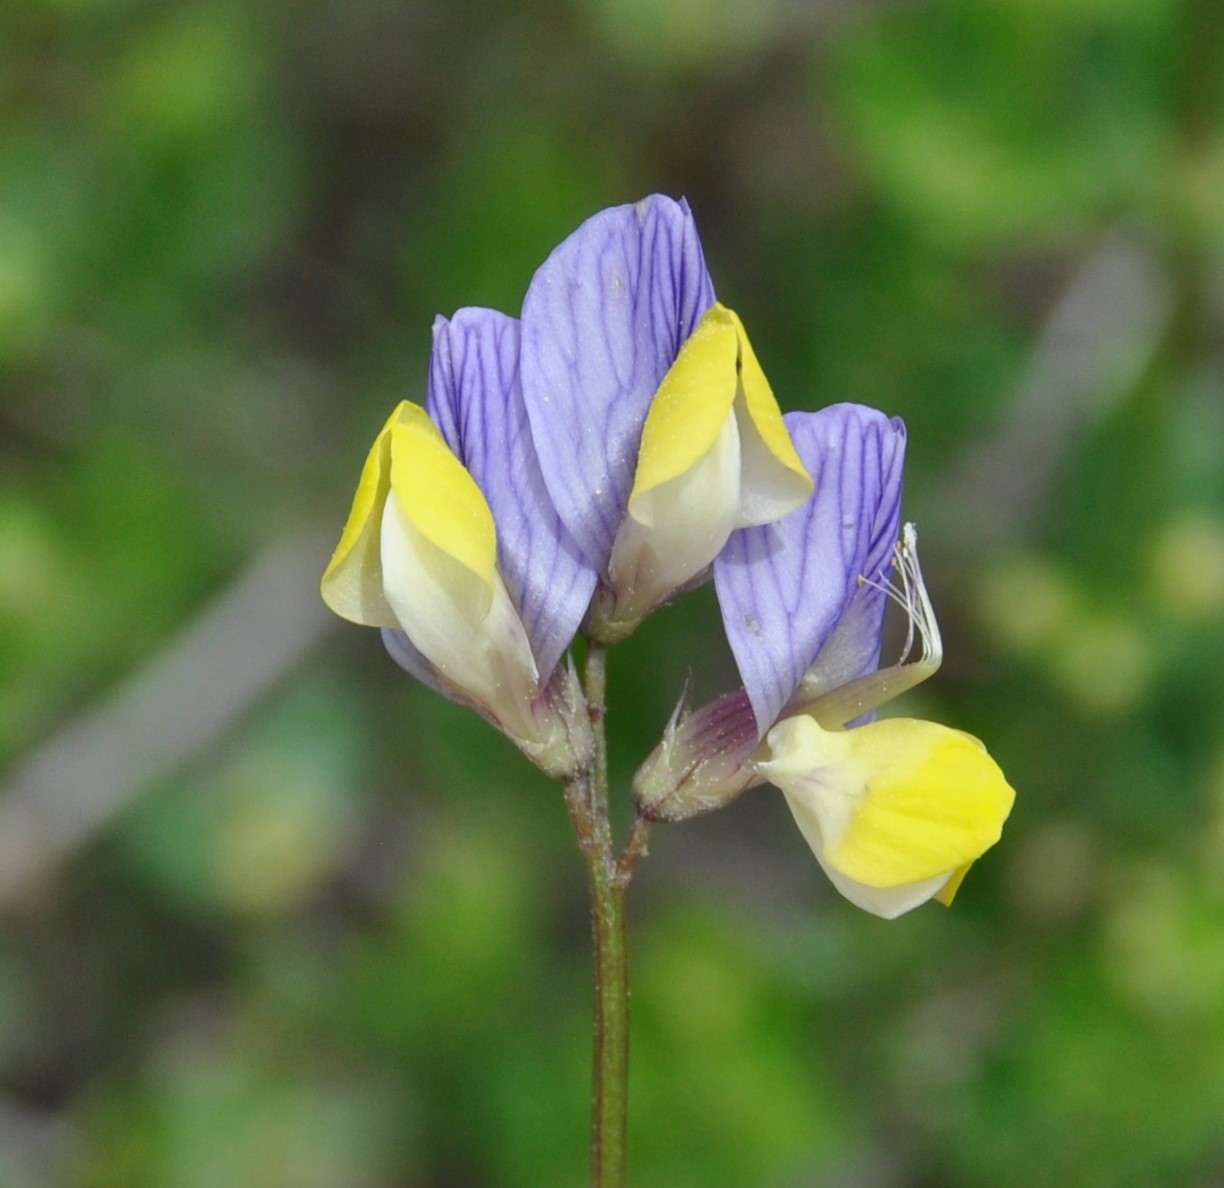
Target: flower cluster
576,468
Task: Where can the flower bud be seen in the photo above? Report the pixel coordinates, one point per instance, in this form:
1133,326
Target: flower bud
701,763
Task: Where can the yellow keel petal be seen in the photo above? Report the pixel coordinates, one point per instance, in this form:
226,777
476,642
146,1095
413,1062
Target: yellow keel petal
952,886
892,803
934,801
715,371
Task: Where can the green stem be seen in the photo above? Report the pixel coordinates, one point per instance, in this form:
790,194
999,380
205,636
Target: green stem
587,800
610,1097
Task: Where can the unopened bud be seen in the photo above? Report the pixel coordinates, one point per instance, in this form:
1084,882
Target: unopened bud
701,763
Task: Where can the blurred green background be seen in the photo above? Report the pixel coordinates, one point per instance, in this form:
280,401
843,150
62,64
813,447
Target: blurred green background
271,915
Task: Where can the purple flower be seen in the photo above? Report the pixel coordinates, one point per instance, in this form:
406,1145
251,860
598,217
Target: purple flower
476,400
803,605
786,589
578,468
655,427
603,321
454,549
894,811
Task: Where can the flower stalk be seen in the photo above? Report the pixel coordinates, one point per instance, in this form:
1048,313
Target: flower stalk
586,796
578,467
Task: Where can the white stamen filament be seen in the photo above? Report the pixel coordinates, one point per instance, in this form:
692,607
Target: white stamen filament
912,597
834,707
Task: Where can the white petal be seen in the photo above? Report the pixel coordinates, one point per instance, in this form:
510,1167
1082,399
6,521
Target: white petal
886,902
678,528
768,489
467,629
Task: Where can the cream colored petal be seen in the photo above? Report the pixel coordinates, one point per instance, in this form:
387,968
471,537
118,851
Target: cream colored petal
684,524
887,902
690,407
468,629
715,456
438,494
774,480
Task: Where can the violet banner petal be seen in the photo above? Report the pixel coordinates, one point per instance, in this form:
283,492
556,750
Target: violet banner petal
785,587
476,402
603,320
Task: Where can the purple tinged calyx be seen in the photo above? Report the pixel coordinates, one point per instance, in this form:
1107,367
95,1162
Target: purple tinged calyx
701,763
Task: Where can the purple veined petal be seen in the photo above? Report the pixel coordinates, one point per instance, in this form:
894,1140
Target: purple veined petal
784,588
603,320
476,402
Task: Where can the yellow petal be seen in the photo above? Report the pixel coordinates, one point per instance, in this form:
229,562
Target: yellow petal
715,373
952,886
893,803
764,411
438,495
468,629
352,584
930,800
692,403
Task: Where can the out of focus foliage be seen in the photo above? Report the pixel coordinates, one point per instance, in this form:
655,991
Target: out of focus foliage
343,946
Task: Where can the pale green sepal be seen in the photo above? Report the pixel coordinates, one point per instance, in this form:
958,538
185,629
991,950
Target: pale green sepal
352,583
565,742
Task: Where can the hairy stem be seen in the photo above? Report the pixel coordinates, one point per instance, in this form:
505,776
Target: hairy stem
587,799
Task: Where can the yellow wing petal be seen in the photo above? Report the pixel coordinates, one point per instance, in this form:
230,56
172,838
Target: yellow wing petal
929,800
352,584
692,403
764,411
439,496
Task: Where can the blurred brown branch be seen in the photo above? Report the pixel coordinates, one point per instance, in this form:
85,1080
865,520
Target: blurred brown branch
164,714
1098,339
